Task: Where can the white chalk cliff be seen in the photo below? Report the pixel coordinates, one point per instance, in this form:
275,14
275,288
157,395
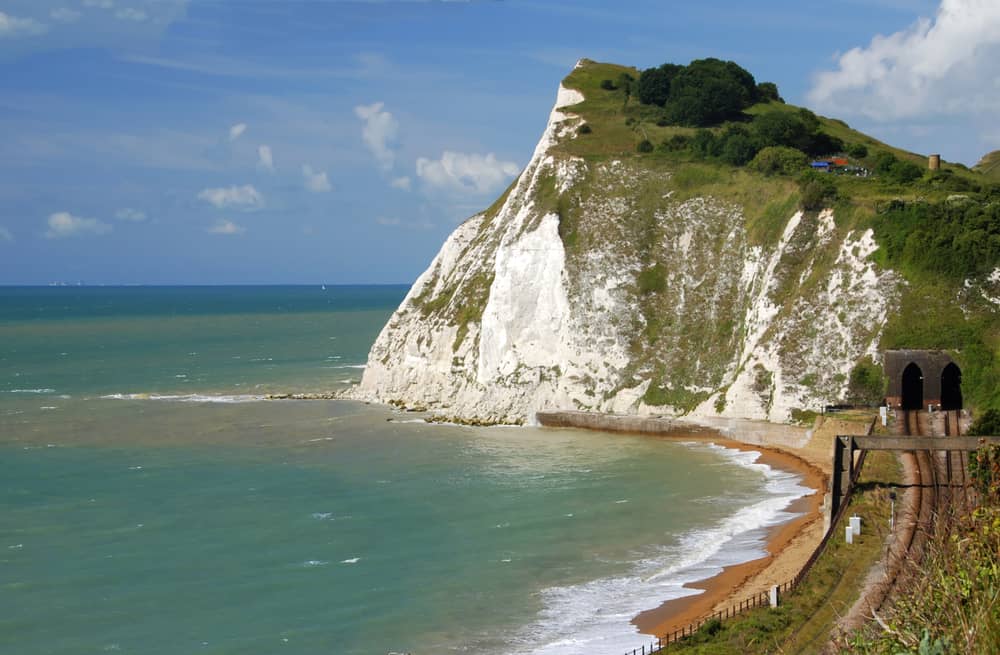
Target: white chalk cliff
589,285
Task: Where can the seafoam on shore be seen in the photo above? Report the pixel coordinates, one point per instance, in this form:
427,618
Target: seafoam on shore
595,616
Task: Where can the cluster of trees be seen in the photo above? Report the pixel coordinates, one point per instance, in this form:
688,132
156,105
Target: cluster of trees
957,239
705,92
895,170
783,139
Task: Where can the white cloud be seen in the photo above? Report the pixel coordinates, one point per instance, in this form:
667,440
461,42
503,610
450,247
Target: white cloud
5,234
64,224
129,214
245,195
265,159
100,4
236,131
462,172
223,226
128,13
13,26
401,183
940,66
379,131
315,181
64,15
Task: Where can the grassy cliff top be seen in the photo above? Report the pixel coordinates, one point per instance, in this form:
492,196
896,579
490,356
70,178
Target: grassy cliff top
617,123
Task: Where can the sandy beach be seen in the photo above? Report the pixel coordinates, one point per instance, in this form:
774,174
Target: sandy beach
789,546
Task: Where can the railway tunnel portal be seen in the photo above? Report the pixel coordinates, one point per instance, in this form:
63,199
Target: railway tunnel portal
919,379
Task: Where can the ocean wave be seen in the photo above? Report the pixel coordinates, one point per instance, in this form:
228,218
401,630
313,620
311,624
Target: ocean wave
32,391
187,397
596,616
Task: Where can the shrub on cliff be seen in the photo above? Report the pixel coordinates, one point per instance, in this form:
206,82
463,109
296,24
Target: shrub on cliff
799,130
779,160
896,171
866,385
858,151
768,92
816,191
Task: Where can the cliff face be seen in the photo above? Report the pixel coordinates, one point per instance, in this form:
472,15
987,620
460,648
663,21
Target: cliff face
601,284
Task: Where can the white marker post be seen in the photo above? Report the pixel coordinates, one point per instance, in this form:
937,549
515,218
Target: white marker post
849,534
856,525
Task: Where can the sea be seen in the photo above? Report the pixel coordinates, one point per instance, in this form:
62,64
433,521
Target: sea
153,501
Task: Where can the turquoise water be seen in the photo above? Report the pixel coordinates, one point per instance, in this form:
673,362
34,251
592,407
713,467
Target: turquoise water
148,513
187,339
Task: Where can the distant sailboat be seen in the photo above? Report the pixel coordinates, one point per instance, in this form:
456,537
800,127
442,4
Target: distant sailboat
323,287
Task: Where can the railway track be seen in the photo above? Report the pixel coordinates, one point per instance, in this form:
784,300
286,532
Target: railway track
937,491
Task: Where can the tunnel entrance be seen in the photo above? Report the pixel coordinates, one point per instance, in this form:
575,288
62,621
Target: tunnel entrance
913,387
951,387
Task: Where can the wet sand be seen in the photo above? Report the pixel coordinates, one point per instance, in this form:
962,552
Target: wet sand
789,546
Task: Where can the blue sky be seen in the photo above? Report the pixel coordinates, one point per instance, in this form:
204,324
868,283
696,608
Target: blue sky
266,141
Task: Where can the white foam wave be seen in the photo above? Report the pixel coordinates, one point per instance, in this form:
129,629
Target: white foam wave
350,366
353,560
315,562
187,397
32,391
322,516
595,616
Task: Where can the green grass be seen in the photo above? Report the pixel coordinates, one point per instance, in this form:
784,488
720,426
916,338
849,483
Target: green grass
805,617
953,606
989,165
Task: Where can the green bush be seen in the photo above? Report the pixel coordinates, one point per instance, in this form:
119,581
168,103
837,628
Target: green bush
984,464
644,146
780,128
897,171
799,130
584,129
768,92
858,151
866,385
676,143
626,83
986,424
652,280
654,84
816,191
704,144
738,149
779,160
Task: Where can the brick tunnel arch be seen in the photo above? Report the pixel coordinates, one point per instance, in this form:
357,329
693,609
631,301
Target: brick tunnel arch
951,387
913,387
